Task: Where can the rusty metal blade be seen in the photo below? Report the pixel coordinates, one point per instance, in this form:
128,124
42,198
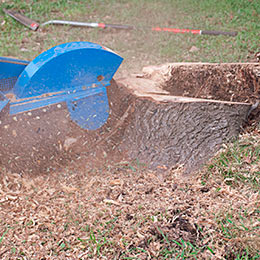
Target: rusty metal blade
22,19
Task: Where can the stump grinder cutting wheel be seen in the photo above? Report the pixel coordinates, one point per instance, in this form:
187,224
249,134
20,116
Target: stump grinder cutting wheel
41,99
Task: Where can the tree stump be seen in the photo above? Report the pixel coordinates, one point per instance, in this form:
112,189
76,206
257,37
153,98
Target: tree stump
184,112
169,115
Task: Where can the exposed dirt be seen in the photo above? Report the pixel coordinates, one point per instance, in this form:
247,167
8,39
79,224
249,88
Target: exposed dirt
88,203
79,209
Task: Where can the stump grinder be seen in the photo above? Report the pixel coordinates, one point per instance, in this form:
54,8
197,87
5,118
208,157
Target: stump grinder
72,76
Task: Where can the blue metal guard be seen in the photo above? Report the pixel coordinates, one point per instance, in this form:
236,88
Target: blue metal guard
66,67
76,73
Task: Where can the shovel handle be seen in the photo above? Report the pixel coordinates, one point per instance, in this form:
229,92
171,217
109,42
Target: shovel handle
116,26
94,25
192,31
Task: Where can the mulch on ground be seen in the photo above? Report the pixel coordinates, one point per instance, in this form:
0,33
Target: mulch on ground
110,212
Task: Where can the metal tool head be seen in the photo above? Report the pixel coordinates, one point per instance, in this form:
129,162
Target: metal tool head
3,101
10,69
22,19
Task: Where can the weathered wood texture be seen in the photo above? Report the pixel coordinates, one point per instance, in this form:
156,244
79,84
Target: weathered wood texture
166,134
169,130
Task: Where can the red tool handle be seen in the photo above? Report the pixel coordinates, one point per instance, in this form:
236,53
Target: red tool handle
176,30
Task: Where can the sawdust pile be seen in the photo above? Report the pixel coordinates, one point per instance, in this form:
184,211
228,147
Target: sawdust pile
122,211
226,82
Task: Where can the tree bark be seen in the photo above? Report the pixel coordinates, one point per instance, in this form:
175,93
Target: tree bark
169,129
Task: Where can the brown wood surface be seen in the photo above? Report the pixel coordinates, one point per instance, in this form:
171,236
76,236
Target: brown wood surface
184,112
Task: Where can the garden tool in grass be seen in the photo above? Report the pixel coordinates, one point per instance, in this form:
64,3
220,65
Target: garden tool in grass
34,26
77,73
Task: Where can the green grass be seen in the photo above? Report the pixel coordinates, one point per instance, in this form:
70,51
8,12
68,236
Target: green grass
2,237
178,250
142,46
238,226
239,163
238,166
241,16
97,239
